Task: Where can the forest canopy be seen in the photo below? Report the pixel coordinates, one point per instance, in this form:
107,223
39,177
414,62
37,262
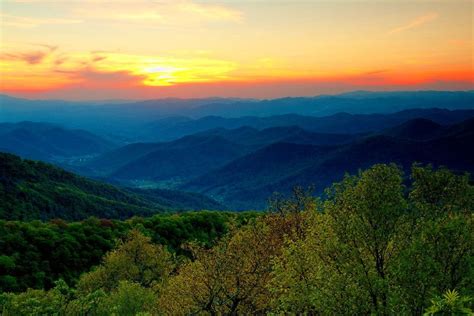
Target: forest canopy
376,244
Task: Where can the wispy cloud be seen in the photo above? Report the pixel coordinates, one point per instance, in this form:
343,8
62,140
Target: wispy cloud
174,13
18,62
418,21
212,12
156,13
31,57
28,22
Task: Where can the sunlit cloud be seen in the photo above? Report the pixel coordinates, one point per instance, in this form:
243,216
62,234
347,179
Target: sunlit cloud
257,48
32,56
417,22
18,64
164,71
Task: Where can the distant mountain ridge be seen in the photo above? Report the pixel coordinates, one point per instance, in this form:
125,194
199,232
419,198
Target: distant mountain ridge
241,161
194,155
124,119
49,142
339,123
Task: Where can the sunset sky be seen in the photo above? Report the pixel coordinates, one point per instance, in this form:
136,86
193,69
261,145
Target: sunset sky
141,49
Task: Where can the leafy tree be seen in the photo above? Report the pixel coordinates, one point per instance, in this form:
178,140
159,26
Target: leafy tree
439,254
229,278
136,260
36,302
450,304
129,299
374,246
376,249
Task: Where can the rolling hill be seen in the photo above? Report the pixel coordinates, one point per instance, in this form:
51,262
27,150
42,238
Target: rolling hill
248,181
416,129
36,190
49,142
170,164
290,134
185,158
197,154
339,123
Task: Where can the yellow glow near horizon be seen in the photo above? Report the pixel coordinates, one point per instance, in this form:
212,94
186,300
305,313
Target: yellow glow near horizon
163,71
182,47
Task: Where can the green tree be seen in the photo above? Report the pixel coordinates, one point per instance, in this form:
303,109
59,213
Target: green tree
451,303
136,260
228,279
36,302
377,249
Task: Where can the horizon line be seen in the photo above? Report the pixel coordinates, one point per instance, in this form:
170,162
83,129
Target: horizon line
119,101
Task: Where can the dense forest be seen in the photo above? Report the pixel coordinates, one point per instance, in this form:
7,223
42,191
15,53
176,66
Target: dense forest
379,243
35,254
37,190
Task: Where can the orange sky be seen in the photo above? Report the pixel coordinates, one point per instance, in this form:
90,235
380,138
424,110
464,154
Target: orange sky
105,49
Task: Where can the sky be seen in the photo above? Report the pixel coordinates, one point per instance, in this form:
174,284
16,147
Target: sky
142,49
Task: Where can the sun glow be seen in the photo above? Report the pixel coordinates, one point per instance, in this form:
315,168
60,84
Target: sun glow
186,48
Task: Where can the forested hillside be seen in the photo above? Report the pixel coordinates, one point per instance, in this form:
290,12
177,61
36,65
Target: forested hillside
376,244
36,190
248,181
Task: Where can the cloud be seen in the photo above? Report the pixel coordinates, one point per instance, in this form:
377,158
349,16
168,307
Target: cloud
212,12
28,22
31,57
22,65
420,20
375,72
177,13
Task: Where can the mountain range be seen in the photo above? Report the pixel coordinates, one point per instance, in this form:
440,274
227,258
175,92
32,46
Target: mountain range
340,123
193,160
128,120
242,167
248,181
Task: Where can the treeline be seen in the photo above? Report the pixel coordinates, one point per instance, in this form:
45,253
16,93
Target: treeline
373,247
36,254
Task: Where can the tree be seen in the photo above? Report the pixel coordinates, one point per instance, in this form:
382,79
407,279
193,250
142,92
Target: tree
450,304
228,279
36,302
377,249
129,299
439,255
136,260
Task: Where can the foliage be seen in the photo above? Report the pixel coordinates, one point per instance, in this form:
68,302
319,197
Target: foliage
376,245
377,249
32,190
230,278
35,254
35,302
136,260
450,304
